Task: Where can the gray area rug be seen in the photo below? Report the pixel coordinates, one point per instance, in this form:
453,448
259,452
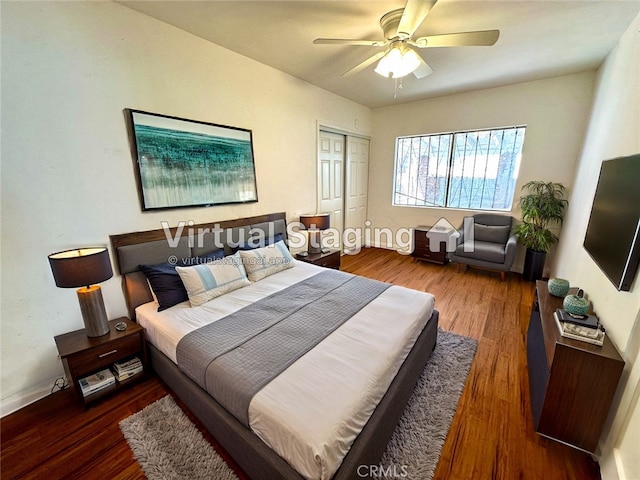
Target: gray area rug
417,441
169,447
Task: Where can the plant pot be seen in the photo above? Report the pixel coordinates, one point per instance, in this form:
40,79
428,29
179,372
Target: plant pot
533,265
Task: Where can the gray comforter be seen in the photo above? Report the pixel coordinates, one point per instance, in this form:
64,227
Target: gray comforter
236,356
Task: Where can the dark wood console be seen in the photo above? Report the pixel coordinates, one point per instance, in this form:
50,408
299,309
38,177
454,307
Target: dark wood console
572,383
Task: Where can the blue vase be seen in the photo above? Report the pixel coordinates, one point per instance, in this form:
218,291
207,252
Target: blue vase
576,305
558,287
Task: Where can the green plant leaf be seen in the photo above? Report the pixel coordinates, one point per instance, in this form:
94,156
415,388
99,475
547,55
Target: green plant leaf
543,206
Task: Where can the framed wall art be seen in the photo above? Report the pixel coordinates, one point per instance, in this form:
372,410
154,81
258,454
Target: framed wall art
186,163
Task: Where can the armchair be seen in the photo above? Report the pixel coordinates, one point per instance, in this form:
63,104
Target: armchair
493,246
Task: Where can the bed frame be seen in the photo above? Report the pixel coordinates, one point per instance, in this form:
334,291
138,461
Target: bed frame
254,457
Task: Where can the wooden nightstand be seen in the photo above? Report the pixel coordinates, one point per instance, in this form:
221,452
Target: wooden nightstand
82,355
329,260
422,241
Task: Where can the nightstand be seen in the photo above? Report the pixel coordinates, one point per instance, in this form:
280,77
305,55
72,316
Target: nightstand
82,355
424,237
329,260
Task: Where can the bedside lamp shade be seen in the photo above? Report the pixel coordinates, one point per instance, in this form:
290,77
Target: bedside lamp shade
315,224
83,267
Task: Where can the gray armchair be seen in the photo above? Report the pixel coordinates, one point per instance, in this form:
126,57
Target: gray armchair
493,246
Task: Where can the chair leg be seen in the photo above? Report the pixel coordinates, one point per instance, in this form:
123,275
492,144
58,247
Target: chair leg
503,276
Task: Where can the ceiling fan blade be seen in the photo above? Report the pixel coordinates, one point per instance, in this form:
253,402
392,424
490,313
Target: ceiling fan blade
423,70
482,38
415,11
365,64
347,41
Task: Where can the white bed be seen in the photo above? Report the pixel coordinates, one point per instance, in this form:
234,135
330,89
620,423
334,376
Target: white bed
312,412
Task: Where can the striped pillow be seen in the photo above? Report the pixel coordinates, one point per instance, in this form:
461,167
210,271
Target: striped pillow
262,262
210,280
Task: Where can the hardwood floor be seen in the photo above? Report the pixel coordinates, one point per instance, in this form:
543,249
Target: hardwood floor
491,437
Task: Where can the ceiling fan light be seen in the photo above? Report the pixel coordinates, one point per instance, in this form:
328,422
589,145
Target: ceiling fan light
398,62
387,64
408,64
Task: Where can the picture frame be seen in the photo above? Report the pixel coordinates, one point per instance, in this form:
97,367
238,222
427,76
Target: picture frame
182,163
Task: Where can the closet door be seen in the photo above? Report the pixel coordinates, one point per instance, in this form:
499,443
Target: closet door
331,153
356,183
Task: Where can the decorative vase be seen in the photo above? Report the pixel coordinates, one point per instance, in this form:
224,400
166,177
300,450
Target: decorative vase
558,287
576,305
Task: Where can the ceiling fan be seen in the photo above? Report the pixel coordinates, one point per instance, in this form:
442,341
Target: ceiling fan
399,58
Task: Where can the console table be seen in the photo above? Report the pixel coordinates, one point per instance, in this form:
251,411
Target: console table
572,383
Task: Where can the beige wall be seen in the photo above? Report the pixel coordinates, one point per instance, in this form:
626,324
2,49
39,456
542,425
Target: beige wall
555,111
614,130
68,71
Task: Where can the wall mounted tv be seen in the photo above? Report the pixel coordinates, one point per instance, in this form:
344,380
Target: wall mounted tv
613,233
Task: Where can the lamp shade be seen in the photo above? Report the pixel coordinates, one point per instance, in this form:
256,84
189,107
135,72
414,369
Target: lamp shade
81,267
319,221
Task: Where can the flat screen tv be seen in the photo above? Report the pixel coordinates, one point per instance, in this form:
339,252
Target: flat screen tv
613,233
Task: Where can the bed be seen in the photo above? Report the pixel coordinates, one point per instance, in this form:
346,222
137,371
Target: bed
285,428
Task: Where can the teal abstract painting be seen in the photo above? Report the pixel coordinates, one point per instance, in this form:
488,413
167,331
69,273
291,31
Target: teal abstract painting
185,163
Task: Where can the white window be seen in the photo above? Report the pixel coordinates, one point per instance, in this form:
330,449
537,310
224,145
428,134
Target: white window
464,170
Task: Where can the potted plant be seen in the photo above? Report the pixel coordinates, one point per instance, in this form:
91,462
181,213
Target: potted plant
542,207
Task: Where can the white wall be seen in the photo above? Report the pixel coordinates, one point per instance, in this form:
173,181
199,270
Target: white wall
555,111
68,71
614,130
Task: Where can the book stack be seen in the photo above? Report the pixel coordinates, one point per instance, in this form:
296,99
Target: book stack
96,382
585,328
127,368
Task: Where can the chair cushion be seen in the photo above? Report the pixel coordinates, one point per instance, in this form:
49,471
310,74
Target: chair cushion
491,233
485,251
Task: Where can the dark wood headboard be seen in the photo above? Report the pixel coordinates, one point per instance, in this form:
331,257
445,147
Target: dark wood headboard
153,246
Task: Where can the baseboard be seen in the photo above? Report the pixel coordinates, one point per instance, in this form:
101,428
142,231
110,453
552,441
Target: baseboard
619,466
391,246
22,399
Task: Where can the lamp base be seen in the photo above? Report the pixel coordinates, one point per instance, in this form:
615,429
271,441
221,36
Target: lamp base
315,241
93,312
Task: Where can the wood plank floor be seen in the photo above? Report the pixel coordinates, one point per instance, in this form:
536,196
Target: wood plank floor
492,435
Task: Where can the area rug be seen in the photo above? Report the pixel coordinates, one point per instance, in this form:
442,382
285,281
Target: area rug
169,447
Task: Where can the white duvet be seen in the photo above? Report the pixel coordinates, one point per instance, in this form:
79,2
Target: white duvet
312,412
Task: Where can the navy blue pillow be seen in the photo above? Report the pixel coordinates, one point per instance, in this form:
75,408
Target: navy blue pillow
166,284
259,242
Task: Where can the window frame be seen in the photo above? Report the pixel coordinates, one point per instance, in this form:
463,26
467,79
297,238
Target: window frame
450,167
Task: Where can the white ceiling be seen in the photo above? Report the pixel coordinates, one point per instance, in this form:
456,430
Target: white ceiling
538,39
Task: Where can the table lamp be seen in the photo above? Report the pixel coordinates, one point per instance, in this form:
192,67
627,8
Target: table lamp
315,224
83,267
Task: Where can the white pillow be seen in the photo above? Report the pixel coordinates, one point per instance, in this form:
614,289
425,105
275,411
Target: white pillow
262,262
210,280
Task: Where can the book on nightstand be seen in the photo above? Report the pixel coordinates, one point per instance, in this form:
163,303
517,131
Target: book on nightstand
127,368
595,336
96,382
